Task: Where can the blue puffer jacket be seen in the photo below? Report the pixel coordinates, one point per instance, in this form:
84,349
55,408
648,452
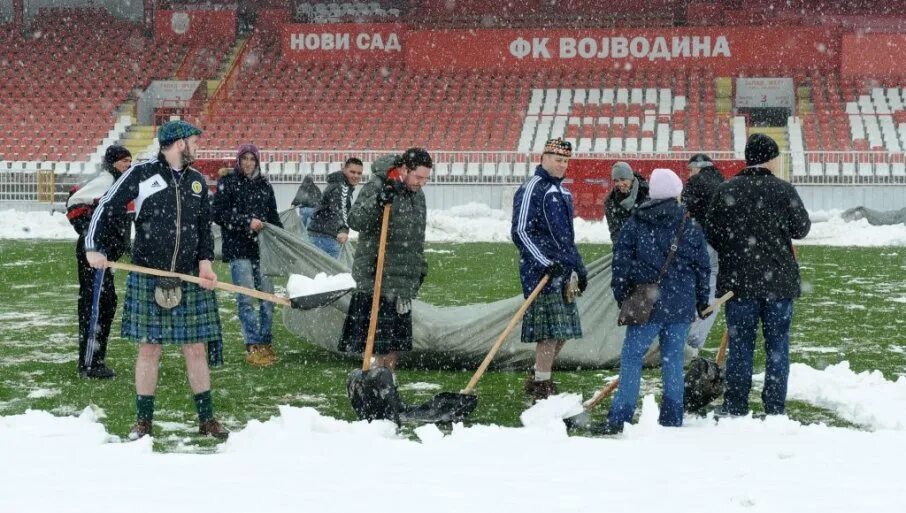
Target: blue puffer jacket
543,230
641,250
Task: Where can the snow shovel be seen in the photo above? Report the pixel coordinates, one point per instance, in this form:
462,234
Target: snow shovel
371,390
448,407
583,419
306,302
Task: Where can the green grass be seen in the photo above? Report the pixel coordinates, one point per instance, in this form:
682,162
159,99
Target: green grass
851,311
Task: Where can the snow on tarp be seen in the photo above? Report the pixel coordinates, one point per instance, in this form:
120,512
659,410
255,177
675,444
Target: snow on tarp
453,336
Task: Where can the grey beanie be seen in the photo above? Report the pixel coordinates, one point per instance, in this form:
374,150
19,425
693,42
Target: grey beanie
621,171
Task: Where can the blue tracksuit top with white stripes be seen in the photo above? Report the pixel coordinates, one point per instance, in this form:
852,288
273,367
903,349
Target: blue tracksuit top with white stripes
543,230
172,216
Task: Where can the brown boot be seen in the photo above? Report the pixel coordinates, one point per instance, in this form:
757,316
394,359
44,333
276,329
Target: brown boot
213,428
260,355
141,428
543,390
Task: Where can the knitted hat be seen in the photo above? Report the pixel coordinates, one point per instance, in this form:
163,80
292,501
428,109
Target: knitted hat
247,148
760,149
557,146
621,171
664,184
116,153
175,130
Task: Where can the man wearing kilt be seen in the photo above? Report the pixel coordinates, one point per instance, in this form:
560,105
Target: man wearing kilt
173,233
396,180
543,232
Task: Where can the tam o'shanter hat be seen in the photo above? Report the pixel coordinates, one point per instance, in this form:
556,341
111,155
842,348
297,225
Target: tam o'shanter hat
558,146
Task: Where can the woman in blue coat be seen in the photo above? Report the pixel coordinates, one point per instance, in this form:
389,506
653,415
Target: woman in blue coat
639,254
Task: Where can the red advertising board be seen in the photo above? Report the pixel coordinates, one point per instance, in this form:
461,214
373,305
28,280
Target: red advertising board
873,55
195,26
379,42
724,50
589,179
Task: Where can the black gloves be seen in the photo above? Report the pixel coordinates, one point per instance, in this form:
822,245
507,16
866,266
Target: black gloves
583,282
555,269
388,192
701,307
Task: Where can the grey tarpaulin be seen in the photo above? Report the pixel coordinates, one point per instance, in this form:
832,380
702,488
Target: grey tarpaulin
450,336
875,217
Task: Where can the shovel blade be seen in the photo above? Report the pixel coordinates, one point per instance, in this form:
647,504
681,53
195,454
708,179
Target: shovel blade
373,395
318,300
578,421
444,408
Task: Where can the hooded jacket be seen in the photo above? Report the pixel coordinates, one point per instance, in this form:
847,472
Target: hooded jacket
307,195
542,230
700,190
615,213
172,217
641,250
405,266
332,216
239,199
751,223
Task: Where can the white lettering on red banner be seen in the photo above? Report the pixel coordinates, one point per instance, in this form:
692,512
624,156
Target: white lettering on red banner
340,42
618,47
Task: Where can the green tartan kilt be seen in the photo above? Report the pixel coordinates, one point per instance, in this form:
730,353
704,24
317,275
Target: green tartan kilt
194,319
551,318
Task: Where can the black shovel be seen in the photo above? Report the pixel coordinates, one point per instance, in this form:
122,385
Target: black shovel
306,302
448,407
371,390
583,419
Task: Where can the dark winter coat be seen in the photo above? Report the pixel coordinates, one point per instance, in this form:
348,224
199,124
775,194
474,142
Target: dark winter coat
81,204
404,261
239,199
332,215
542,229
699,191
640,252
614,212
172,217
751,223
308,194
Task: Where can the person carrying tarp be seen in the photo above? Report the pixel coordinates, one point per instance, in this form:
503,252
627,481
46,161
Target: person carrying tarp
397,180
542,230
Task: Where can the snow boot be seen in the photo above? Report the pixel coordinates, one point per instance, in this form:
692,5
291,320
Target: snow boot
140,429
213,428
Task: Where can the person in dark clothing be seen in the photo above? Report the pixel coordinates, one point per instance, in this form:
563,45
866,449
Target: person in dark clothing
173,233
329,227
703,181
243,203
79,208
397,180
543,232
307,199
629,191
640,252
751,223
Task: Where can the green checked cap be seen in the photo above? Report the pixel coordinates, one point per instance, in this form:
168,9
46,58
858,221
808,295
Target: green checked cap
176,130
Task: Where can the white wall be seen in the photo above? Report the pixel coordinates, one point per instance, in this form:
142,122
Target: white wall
841,197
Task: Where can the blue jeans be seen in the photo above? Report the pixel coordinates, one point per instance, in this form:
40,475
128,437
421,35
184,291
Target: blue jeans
305,214
326,244
638,340
247,273
742,322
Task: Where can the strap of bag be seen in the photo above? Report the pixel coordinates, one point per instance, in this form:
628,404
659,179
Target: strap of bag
674,245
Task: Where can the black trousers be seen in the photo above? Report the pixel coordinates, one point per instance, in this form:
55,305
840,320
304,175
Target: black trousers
106,311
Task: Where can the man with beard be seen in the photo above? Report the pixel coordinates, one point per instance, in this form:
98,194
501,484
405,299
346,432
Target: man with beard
173,233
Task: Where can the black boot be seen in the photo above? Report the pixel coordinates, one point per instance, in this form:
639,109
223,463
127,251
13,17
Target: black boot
99,371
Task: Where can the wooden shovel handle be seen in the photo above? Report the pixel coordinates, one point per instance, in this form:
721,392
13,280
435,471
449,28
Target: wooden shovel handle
376,299
722,350
273,298
717,302
509,327
602,394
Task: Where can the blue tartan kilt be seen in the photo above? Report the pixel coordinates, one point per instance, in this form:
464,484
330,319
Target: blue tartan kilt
194,319
551,318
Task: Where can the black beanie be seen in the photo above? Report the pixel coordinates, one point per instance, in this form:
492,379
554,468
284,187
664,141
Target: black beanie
760,149
116,153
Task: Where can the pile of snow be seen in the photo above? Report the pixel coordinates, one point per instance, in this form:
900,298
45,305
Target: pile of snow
479,223
299,285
